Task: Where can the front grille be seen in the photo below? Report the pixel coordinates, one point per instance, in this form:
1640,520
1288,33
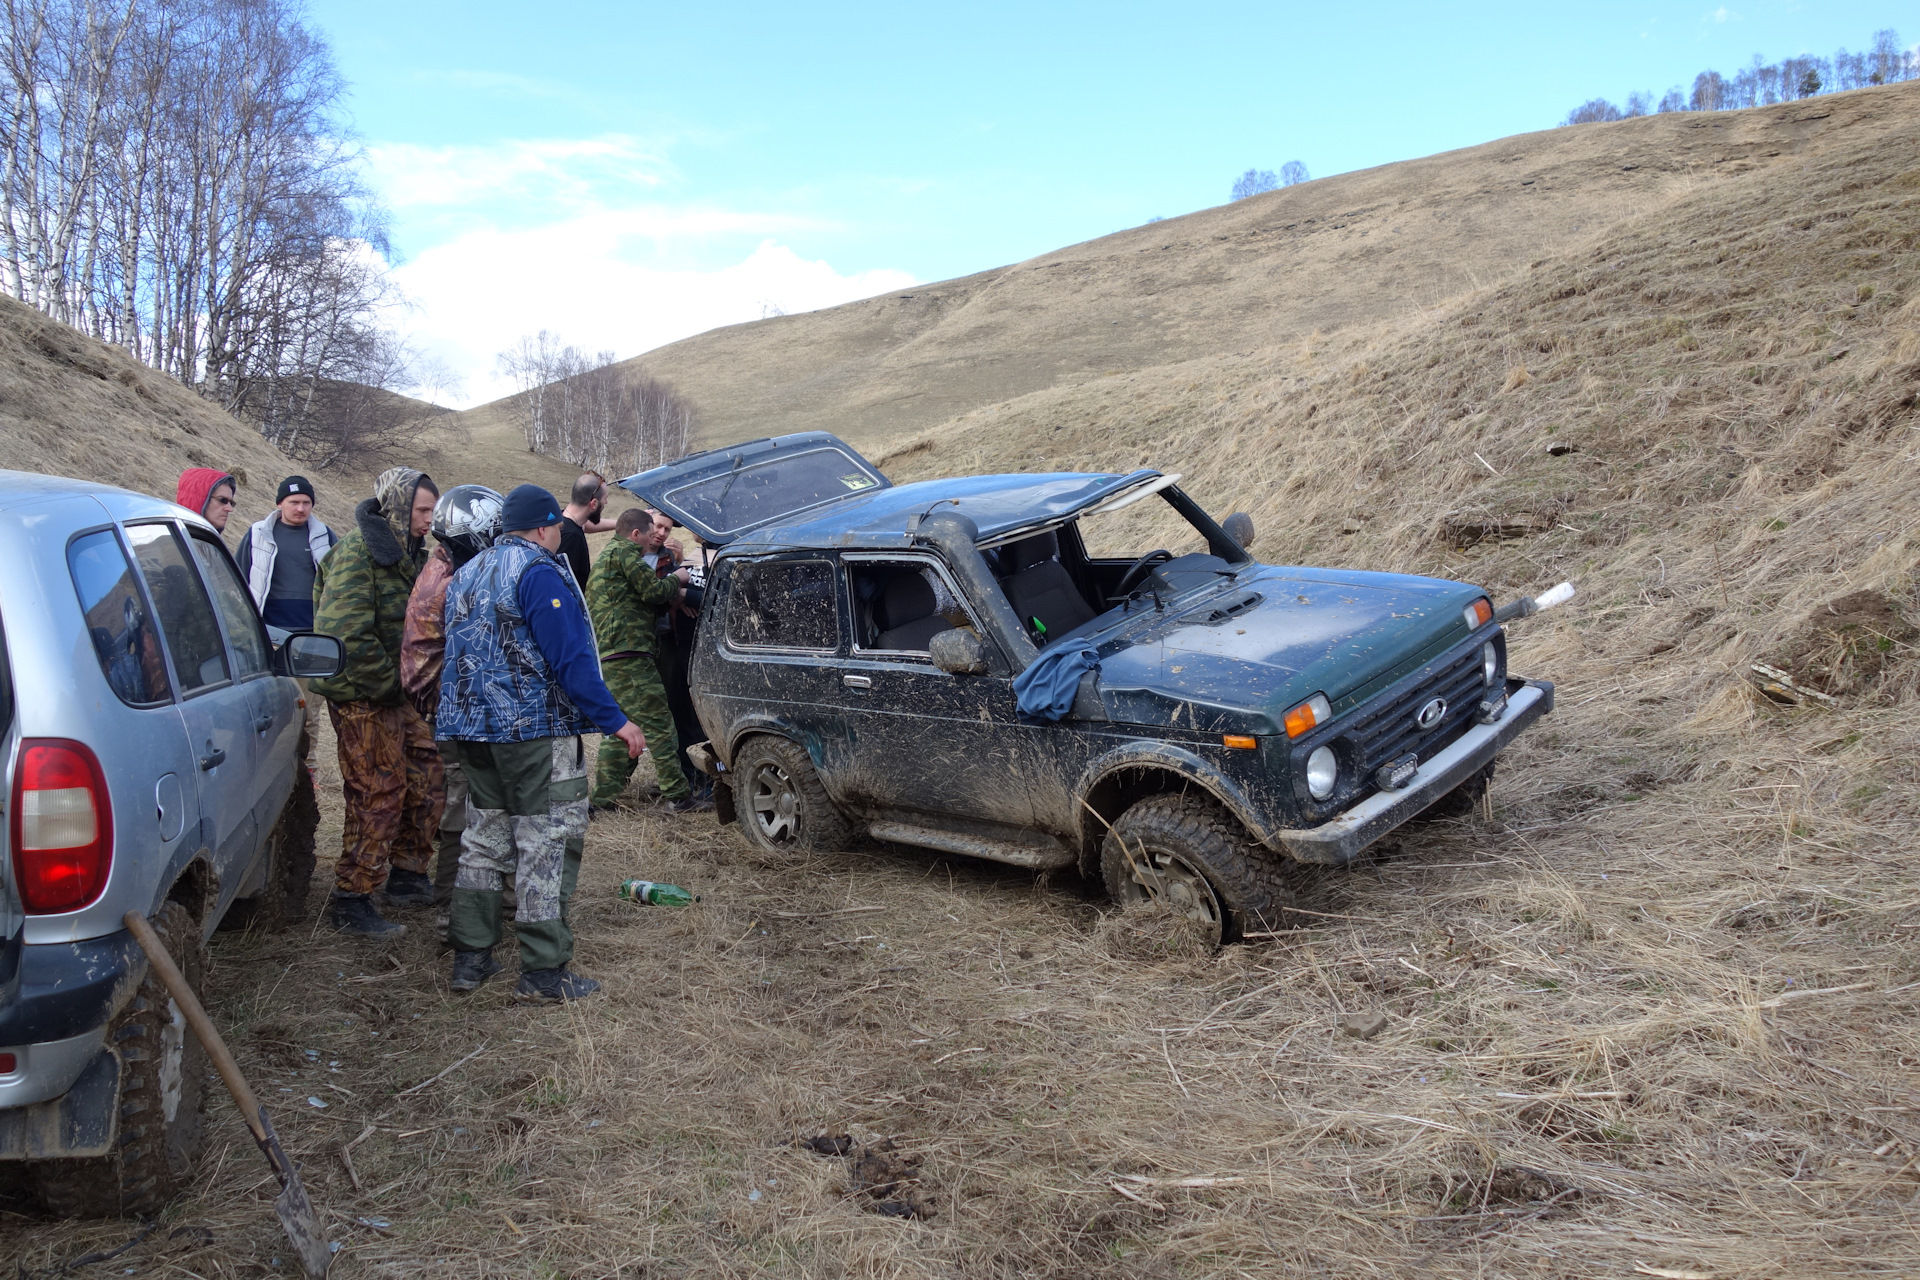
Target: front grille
1387,729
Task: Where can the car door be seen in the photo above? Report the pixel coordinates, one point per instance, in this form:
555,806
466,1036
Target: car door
272,701
924,740
216,709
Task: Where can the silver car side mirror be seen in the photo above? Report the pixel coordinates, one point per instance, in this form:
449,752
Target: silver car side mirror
959,652
1239,527
308,655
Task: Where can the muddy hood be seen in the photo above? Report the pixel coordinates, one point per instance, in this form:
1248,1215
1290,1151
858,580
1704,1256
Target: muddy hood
1208,665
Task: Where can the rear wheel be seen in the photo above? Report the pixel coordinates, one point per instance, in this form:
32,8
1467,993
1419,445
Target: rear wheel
1189,852
782,806
163,1093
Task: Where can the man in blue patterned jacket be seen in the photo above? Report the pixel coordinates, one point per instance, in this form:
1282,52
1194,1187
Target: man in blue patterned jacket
521,683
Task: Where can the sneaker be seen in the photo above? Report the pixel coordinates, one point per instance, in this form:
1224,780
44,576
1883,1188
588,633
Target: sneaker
471,968
553,986
408,889
688,804
355,913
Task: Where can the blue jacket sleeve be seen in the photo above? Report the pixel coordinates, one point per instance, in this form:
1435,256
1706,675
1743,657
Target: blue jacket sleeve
559,625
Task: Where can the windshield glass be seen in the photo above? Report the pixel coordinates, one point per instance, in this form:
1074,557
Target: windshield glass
759,492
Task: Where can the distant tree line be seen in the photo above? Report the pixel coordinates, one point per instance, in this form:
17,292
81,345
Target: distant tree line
174,178
591,412
1256,181
1763,84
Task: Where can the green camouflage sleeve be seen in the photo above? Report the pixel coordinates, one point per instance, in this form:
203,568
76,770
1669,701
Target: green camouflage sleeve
345,606
649,586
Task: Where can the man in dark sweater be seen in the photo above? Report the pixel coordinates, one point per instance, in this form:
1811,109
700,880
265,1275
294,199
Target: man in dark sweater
520,685
280,555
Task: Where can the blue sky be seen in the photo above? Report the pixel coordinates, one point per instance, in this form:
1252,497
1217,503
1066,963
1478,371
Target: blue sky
629,174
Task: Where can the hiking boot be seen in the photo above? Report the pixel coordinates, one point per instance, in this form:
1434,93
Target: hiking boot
471,968
595,810
553,986
688,804
355,913
408,889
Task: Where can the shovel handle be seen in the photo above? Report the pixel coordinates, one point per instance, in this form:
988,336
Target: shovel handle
176,985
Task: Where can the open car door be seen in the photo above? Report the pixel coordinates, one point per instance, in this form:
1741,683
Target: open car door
722,493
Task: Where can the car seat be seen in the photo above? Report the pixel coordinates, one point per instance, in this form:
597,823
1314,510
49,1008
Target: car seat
907,612
1039,588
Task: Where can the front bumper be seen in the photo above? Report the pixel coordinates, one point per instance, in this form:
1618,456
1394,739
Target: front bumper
1338,840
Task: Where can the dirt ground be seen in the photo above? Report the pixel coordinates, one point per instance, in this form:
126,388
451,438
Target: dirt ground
1616,1044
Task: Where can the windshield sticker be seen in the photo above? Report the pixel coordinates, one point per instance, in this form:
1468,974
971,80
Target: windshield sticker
858,482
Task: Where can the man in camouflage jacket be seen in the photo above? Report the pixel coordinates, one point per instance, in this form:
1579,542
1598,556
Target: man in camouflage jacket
390,775
627,596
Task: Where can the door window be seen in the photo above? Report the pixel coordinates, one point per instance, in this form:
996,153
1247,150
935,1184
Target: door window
124,637
900,605
186,616
783,604
235,602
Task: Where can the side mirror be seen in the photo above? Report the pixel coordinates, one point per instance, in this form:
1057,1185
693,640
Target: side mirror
308,655
1239,527
959,652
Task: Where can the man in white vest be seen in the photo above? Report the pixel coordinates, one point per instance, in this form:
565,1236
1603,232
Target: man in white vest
279,554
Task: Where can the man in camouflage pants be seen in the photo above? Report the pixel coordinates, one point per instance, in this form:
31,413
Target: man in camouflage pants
390,775
520,684
627,597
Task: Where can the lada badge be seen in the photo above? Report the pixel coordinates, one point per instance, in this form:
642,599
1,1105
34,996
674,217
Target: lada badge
1429,715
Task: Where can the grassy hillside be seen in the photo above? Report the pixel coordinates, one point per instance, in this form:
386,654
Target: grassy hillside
72,406
1322,257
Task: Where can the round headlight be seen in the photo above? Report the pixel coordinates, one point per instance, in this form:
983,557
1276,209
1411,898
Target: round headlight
1323,770
1489,663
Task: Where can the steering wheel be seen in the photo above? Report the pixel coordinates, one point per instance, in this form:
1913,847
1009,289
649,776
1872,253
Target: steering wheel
1138,570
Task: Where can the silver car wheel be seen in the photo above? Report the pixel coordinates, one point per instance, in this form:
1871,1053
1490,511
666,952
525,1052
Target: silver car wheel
1165,875
775,802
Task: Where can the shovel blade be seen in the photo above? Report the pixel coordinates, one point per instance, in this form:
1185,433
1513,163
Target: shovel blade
303,1228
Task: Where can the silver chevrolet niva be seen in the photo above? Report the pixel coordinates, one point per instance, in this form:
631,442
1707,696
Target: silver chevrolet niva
152,758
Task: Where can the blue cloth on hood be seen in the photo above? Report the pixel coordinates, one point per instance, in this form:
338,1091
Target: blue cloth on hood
1046,689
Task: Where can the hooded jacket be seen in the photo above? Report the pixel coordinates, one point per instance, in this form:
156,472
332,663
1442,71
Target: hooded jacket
360,590
197,485
423,642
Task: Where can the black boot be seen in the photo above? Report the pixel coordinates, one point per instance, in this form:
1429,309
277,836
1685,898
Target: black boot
471,968
553,986
355,913
408,889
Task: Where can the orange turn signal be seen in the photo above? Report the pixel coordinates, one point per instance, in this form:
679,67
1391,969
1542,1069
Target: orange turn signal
1244,741
1479,614
1314,711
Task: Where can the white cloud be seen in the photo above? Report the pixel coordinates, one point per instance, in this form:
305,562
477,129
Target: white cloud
1724,14
581,237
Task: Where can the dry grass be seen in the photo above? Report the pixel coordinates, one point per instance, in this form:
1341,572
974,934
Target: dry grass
1656,1014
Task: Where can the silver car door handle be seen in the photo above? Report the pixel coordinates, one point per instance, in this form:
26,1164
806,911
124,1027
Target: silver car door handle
857,682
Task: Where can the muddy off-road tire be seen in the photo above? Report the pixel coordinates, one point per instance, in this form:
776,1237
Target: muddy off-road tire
282,901
163,1094
1190,851
782,806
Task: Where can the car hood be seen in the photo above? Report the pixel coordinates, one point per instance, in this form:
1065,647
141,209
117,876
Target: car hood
1219,661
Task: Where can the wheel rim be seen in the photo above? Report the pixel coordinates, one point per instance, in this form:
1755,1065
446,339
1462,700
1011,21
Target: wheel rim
173,1058
775,802
1165,875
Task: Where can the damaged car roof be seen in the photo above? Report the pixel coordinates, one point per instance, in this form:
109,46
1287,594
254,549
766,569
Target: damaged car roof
998,505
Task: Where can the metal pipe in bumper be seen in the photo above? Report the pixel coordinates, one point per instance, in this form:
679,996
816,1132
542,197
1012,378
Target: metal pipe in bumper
1339,839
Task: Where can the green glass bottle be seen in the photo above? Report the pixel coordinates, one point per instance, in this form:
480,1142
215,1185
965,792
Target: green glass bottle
651,894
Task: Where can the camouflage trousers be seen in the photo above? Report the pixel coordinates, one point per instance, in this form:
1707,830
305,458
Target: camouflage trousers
636,685
392,788
526,818
453,820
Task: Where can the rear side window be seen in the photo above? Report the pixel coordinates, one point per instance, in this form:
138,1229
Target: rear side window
235,603
783,604
124,637
186,616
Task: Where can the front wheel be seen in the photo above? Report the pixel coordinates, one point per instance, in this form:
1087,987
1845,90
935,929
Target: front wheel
163,1093
783,808
1189,852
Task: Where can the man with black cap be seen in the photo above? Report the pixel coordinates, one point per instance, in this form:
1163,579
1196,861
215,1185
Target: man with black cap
520,685
280,555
